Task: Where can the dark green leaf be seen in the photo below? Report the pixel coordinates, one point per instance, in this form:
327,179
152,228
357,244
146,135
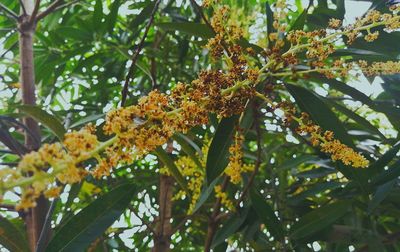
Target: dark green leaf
319,219
48,120
381,193
205,193
143,15
79,231
113,15
319,112
11,237
218,154
187,149
267,215
298,24
98,14
229,228
358,119
193,29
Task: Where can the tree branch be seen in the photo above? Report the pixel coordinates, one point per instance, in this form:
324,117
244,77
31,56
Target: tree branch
135,56
35,11
23,7
52,7
9,13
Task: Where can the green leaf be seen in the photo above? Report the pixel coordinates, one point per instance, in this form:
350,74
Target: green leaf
298,24
295,162
218,154
169,163
229,227
381,193
143,15
205,193
11,237
86,120
270,18
79,231
74,33
187,149
379,165
387,175
319,219
98,14
112,16
318,188
357,118
267,215
391,112
319,113
193,29
48,120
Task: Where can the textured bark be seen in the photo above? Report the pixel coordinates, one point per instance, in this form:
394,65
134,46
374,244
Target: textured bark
162,237
34,218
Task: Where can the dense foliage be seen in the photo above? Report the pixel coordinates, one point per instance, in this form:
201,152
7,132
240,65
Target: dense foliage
191,126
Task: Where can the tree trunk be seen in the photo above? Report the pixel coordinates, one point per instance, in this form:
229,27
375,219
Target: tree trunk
34,218
162,237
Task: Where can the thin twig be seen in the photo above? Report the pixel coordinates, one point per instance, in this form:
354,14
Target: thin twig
258,161
8,50
41,243
52,7
8,207
135,56
201,13
180,224
8,12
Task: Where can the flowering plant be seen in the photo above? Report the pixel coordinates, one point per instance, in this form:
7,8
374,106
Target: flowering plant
217,140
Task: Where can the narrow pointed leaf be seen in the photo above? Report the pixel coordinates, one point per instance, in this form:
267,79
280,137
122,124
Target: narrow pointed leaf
169,163
319,219
79,231
319,112
48,120
11,237
267,215
218,154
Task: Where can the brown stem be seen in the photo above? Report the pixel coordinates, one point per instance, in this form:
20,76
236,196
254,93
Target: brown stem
35,11
52,7
162,235
135,56
213,220
35,217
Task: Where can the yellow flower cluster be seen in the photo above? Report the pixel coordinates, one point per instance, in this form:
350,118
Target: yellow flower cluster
227,31
320,44
236,166
329,145
64,160
139,129
223,196
194,174
379,68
